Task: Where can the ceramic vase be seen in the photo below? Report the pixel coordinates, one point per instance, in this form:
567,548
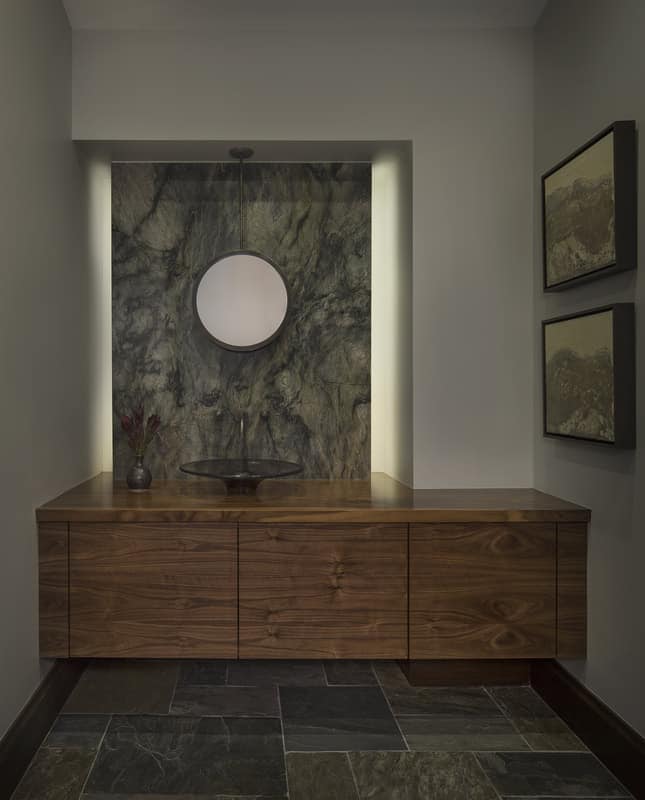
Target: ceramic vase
139,476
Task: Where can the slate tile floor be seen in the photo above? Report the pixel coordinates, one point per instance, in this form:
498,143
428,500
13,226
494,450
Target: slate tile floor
212,730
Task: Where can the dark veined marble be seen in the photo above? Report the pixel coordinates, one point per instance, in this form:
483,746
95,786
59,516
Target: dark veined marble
306,396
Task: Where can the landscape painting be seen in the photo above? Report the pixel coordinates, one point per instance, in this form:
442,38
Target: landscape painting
589,210
580,377
588,375
579,214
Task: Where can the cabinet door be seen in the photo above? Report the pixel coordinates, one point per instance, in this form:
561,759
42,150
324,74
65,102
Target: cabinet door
323,591
572,590
482,591
153,591
53,590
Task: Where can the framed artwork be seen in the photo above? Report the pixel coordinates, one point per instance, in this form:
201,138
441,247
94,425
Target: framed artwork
588,376
589,225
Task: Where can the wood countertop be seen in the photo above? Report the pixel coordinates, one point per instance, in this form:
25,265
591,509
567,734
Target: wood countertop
378,500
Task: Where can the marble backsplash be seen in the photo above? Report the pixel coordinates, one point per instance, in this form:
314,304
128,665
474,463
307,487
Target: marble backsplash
306,396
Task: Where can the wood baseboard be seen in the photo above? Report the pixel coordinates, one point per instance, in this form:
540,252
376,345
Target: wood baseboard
463,672
20,743
615,743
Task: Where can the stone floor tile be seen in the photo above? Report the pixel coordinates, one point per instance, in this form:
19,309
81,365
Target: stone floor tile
320,776
338,718
226,701
165,755
435,733
77,730
447,702
420,776
389,674
521,702
146,796
350,673
108,796
551,774
202,673
541,727
124,687
56,773
276,673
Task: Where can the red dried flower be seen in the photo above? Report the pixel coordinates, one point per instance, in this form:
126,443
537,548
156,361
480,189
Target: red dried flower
139,434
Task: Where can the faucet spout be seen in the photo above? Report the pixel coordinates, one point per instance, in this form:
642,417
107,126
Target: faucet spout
245,454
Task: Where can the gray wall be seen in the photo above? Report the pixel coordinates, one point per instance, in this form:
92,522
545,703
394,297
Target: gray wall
464,99
44,357
590,64
305,396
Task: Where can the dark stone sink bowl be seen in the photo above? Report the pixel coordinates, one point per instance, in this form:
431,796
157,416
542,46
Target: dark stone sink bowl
241,475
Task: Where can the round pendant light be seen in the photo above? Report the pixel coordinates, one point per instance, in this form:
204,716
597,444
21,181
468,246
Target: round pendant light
242,299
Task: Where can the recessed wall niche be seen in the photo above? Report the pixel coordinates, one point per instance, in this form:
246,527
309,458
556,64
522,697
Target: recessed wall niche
306,396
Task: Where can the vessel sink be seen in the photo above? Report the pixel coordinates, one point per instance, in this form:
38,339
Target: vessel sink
241,475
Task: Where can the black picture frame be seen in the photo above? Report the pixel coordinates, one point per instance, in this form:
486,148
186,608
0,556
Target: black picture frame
625,206
624,375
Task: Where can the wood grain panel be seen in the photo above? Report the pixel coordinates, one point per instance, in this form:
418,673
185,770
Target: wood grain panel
153,591
378,500
572,590
323,591
482,591
53,590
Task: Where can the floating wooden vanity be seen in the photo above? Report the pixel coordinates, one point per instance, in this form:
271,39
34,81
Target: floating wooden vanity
311,569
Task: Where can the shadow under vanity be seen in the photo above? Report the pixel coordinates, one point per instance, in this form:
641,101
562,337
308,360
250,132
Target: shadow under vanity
311,569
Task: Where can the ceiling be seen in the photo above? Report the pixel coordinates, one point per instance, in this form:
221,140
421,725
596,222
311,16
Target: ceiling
169,15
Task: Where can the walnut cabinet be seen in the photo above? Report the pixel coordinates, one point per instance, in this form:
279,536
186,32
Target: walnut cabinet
453,590
323,591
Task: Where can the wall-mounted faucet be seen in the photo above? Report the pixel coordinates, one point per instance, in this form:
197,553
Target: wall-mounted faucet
245,453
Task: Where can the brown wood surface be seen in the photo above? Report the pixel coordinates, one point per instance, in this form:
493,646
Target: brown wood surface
474,672
53,590
482,591
323,591
380,499
153,591
572,590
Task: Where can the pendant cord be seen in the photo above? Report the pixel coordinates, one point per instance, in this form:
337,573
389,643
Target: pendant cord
241,204
241,154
